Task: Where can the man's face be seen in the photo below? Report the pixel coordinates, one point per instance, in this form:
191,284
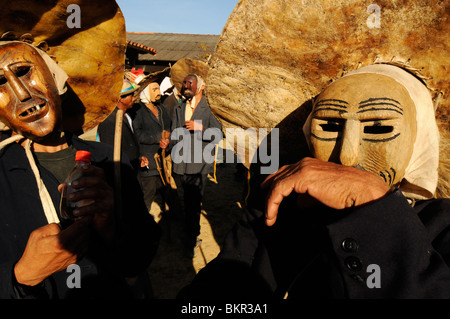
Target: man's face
367,121
128,101
189,87
155,92
29,99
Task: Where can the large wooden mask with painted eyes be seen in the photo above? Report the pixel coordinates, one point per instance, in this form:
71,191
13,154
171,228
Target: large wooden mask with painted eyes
367,121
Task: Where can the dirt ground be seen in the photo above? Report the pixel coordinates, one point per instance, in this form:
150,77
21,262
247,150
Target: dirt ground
171,269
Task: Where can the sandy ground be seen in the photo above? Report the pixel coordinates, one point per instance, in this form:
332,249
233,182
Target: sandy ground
171,269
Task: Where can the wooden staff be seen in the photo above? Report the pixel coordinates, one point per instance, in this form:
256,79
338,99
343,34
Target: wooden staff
117,157
164,135
158,167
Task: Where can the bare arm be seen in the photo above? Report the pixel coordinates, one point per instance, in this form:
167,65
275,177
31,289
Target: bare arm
50,250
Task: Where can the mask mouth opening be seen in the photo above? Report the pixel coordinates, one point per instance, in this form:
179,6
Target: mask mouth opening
33,110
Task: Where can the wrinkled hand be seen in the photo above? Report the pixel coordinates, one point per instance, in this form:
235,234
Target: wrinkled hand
144,161
49,250
92,187
193,125
163,143
331,184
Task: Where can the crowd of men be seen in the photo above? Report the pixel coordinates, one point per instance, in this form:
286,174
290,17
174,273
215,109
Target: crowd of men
148,131
314,229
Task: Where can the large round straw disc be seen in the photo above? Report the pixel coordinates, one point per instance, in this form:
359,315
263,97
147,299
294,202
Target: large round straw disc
93,55
275,56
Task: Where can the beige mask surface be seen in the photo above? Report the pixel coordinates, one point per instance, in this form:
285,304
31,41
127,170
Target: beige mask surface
155,92
367,121
151,93
411,143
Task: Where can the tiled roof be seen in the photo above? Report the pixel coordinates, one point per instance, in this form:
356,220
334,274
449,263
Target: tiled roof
141,48
173,47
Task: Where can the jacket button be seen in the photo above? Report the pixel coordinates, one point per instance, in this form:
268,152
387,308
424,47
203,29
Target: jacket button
353,263
349,245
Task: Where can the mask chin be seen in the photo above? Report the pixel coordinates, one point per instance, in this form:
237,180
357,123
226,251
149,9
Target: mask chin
38,132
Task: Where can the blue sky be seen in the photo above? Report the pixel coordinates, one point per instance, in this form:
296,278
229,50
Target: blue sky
176,16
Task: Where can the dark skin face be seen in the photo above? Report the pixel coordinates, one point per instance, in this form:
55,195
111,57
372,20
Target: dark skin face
189,87
126,102
29,98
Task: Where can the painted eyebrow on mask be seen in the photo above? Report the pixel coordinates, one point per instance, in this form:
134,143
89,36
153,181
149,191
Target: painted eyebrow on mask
380,104
332,105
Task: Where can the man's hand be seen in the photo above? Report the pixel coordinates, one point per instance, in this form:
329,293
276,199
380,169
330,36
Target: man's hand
144,161
93,188
50,250
164,141
193,125
331,184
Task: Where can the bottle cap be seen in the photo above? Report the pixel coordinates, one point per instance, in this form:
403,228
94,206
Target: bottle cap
83,156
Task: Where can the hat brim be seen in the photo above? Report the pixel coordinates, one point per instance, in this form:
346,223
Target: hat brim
122,94
157,77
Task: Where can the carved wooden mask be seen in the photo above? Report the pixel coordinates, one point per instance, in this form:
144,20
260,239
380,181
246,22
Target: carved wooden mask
154,91
367,121
29,100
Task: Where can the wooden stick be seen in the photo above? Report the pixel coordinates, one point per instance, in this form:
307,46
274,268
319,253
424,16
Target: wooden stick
157,159
164,135
117,158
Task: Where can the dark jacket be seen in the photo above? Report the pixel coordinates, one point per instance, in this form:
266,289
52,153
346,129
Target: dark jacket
170,103
102,269
130,144
188,147
324,253
148,130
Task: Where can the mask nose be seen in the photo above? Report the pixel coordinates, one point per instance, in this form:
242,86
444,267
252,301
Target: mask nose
17,86
350,143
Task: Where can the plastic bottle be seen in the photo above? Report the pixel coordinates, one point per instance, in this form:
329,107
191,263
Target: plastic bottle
66,207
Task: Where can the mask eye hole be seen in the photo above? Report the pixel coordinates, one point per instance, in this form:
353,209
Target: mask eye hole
332,126
2,79
22,70
378,129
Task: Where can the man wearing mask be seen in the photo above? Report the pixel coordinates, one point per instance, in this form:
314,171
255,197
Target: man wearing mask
152,128
192,119
359,219
107,243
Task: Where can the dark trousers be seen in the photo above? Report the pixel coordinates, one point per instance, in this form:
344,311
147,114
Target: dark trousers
193,188
153,190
